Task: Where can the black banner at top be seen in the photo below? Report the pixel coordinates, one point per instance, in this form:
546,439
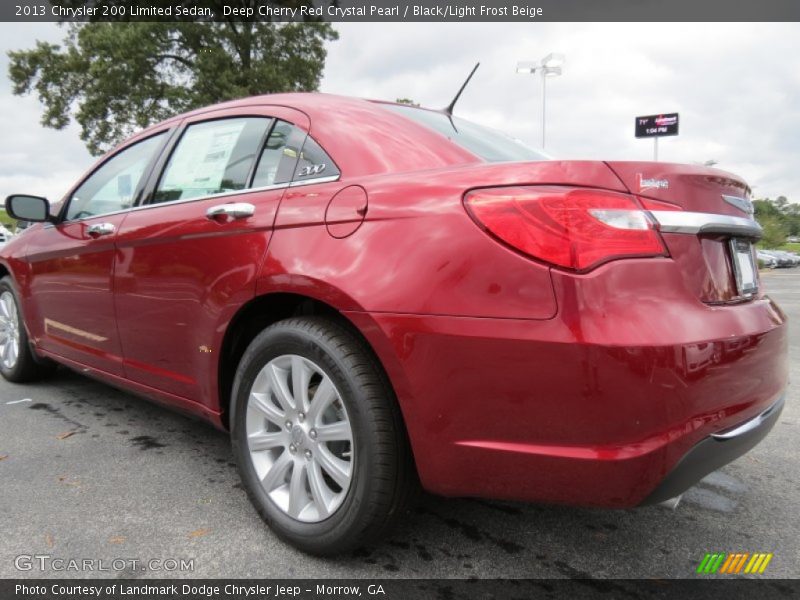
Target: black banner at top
452,11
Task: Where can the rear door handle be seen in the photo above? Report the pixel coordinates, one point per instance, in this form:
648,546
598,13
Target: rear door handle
99,229
234,210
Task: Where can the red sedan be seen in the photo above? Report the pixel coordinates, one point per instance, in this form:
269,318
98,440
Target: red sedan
371,296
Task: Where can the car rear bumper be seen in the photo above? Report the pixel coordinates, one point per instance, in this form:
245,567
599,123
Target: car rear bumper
715,451
593,407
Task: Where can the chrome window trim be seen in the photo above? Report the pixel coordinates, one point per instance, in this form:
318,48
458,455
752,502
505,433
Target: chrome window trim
326,179
676,221
265,188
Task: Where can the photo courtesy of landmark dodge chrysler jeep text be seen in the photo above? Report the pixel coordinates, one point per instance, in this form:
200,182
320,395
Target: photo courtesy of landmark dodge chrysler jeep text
373,296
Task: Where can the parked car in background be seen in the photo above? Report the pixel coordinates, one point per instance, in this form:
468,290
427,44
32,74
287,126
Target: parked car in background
767,260
369,295
780,260
21,226
794,258
5,234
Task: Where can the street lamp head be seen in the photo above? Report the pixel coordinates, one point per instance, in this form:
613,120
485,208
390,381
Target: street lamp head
554,60
551,71
527,67
550,66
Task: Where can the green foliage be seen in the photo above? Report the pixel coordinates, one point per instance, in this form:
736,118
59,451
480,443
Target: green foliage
6,220
779,218
116,78
774,232
408,101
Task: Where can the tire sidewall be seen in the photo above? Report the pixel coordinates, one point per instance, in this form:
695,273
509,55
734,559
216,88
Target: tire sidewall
16,372
276,341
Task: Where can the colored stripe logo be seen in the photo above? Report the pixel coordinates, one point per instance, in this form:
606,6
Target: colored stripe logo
734,563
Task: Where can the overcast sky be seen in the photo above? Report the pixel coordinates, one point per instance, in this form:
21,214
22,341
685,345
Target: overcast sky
736,87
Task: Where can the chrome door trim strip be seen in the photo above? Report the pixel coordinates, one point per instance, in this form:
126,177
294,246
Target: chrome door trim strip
275,186
678,221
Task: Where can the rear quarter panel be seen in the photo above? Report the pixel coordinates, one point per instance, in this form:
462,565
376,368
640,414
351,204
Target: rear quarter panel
417,251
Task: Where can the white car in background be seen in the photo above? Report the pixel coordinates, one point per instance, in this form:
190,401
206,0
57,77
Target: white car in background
5,234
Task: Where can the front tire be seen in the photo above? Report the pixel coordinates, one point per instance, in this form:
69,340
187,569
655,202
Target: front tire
318,436
17,361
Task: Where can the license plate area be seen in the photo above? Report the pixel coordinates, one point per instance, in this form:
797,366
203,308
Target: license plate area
745,270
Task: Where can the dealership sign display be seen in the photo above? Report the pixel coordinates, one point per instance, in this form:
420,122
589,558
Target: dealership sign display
657,125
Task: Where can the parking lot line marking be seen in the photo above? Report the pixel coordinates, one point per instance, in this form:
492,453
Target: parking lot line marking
18,401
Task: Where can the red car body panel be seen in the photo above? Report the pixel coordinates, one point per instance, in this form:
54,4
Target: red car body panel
594,406
515,379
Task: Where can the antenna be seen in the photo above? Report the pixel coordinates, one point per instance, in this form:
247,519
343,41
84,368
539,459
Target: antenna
449,110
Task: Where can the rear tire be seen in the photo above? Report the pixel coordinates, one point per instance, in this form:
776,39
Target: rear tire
318,437
17,361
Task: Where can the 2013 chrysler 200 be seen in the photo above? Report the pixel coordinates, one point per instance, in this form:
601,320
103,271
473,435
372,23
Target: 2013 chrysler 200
370,295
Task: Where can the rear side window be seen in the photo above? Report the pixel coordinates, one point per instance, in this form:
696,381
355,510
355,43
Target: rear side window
213,157
279,155
284,160
489,144
314,163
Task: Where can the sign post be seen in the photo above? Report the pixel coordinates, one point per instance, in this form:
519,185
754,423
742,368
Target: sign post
656,126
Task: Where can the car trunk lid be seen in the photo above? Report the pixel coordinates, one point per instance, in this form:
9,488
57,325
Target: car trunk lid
701,213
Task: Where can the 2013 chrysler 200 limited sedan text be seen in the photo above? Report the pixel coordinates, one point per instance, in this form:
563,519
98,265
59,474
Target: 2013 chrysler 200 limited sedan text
370,296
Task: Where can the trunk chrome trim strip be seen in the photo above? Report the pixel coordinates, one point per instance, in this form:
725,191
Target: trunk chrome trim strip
743,204
674,221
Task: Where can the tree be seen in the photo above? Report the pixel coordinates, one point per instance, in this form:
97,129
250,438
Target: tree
778,218
407,101
116,78
775,232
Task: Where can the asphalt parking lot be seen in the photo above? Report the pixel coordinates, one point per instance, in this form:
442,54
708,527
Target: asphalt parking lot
87,471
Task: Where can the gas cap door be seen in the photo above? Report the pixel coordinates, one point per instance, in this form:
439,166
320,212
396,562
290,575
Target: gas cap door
346,211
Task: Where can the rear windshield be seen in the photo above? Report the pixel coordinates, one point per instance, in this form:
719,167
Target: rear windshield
489,144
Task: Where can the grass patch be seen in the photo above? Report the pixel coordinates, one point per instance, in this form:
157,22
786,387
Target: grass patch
790,247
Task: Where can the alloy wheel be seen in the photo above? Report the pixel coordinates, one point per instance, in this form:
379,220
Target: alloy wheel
299,438
9,331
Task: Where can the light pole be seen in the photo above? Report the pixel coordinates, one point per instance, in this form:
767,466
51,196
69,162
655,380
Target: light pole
550,66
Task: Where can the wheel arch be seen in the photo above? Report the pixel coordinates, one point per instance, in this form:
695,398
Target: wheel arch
264,310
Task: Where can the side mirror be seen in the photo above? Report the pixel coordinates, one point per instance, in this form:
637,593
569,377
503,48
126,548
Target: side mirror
28,208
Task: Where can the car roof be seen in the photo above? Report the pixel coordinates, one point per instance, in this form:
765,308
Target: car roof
362,136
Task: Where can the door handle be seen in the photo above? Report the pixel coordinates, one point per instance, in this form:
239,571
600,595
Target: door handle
99,229
234,210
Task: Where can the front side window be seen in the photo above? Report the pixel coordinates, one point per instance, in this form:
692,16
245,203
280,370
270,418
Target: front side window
113,186
213,157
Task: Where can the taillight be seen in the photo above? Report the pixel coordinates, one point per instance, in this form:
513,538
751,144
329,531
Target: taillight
573,228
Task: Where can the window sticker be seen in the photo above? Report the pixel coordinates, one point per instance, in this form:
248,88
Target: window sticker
198,166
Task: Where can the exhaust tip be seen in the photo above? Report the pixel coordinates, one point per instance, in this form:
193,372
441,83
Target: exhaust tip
672,503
